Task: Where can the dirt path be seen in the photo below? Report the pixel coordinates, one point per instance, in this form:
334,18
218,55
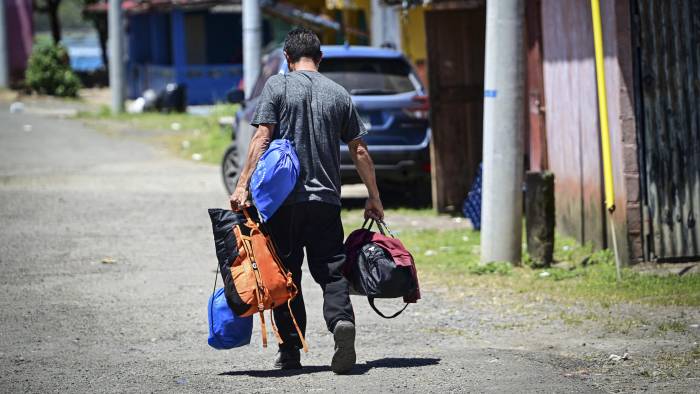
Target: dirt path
107,263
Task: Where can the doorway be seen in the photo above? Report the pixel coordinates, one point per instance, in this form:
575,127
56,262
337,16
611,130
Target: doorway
456,41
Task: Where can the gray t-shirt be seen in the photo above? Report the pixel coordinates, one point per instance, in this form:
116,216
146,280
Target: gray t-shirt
316,114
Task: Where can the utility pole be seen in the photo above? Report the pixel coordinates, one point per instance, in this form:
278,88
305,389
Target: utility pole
116,56
252,44
377,19
4,64
385,28
504,86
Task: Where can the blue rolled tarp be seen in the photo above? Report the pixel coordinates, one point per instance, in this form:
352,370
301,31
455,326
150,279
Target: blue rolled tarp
274,178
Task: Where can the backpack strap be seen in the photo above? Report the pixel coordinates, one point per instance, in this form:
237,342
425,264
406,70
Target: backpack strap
294,320
258,279
274,329
371,303
263,328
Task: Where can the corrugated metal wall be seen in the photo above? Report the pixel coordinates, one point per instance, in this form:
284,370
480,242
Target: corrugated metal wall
669,77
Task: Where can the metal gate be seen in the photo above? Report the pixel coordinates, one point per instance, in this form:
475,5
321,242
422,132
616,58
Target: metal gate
667,37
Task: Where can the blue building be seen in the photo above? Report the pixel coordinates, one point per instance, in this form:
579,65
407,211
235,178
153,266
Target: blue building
197,45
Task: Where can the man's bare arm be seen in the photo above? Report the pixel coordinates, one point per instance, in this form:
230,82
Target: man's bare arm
365,167
258,146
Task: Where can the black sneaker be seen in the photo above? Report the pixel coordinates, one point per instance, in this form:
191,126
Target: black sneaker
344,356
288,359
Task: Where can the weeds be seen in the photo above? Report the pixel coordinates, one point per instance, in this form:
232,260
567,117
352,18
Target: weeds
496,267
197,137
623,325
674,325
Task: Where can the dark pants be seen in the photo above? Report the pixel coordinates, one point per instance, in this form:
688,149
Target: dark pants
317,227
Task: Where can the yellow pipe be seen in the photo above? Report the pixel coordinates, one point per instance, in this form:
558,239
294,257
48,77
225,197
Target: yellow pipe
604,130
603,106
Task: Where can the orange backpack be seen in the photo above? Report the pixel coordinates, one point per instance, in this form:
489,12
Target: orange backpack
260,278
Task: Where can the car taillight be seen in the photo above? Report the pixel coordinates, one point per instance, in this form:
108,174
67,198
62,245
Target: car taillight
419,111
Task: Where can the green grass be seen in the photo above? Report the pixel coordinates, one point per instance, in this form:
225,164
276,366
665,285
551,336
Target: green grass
184,134
673,325
451,257
598,282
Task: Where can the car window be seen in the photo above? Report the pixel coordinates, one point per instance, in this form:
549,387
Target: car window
370,76
269,69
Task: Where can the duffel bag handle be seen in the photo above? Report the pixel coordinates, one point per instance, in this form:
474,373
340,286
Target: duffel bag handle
381,225
371,303
371,223
249,220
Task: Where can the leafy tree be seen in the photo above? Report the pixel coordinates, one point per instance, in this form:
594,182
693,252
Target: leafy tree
49,71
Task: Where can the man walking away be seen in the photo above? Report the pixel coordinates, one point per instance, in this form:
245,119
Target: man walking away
316,114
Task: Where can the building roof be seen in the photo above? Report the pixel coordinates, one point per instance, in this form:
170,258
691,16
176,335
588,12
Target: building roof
358,51
147,5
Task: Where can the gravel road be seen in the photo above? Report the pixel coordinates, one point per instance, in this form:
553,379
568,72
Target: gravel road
107,263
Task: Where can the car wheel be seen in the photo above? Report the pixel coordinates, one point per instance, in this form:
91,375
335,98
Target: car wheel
230,168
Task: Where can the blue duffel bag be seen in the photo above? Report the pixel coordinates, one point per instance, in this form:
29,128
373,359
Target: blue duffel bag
226,330
275,176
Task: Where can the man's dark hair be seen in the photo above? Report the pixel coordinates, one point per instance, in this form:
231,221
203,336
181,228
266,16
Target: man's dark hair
302,42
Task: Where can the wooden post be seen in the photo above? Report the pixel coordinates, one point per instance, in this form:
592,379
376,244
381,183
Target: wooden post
539,217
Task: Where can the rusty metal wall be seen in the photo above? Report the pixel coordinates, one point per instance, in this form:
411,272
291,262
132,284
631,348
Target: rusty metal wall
536,131
669,78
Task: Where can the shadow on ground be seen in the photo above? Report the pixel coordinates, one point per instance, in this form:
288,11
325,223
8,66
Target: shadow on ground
359,369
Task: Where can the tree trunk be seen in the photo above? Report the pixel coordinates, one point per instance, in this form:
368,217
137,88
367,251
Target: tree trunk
54,20
100,23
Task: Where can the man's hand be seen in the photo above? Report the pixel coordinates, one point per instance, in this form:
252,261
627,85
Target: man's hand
374,209
258,146
239,199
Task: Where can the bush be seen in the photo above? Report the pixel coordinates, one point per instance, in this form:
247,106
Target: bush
49,72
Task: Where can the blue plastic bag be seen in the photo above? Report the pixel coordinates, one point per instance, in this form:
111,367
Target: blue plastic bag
275,176
226,330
